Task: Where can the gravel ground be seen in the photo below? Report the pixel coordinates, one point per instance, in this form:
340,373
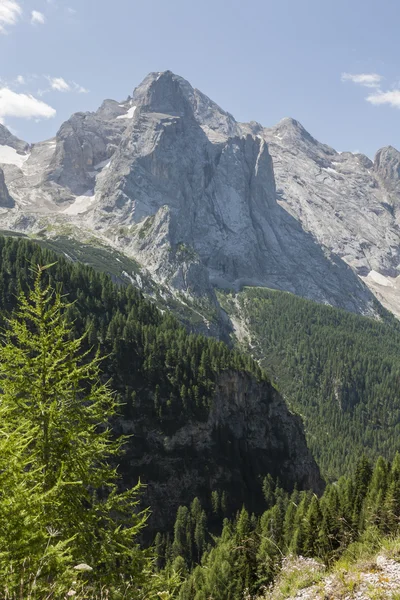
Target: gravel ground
377,581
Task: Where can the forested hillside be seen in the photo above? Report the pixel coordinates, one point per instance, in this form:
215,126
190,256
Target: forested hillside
340,371
201,417
221,454
351,518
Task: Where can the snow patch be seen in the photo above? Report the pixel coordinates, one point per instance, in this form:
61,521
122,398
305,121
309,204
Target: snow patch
9,156
129,114
81,204
104,164
380,279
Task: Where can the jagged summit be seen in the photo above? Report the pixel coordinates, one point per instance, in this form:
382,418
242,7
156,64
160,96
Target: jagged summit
200,200
387,169
8,139
163,93
387,163
290,124
167,93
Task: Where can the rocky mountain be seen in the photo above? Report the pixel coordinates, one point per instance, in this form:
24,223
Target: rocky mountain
346,201
199,200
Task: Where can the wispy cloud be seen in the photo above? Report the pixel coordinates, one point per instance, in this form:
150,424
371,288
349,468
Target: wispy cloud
392,98
59,84
377,97
47,85
24,106
37,18
79,88
371,80
10,12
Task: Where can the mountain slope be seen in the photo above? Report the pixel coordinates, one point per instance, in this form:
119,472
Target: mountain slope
202,417
170,179
338,370
346,201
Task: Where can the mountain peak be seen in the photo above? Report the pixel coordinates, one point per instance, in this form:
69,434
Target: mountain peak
8,139
164,92
386,152
168,93
387,166
290,127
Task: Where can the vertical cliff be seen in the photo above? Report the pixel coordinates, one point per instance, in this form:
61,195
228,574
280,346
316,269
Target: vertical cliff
248,433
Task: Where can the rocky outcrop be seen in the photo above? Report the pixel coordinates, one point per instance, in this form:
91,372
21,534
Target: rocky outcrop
373,577
83,143
5,199
10,140
248,433
387,168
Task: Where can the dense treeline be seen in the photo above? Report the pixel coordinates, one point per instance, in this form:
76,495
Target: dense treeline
248,554
61,502
151,359
340,371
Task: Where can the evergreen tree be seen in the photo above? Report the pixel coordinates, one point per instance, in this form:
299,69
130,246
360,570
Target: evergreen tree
55,415
312,528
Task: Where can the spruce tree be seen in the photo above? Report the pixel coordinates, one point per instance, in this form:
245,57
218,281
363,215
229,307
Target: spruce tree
58,489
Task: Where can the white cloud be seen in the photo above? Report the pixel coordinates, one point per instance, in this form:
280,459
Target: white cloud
79,88
59,84
37,18
371,80
24,106
392,98
10,11
20,80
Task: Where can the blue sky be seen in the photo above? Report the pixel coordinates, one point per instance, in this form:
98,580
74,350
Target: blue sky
334,66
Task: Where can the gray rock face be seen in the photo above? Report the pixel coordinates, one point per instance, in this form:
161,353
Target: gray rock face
5,199
82,143
387,168
8,139
249,432
206,183
199,200
344,200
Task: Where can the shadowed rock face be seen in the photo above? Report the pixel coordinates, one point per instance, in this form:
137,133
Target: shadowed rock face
249,432
8,139
200,200
5,199
387,168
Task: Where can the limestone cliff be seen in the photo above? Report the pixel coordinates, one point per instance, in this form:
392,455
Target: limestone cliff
173,181
248,433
